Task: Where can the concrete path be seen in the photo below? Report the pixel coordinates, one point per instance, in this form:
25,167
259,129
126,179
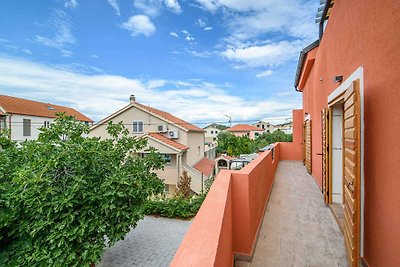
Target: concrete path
152,243
298,228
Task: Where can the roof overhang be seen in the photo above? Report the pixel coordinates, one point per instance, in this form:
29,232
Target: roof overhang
164,144
302,65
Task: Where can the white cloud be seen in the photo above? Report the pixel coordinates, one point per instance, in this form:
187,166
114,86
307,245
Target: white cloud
188,36
94,56
174,34
264,33
268,55
114,4
139,24
264,74
174,6
70,4
98,95
153,8
60,27
208,28
201,23
27,51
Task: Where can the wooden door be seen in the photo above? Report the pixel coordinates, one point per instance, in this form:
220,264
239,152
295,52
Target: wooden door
352,172
308,145
325,154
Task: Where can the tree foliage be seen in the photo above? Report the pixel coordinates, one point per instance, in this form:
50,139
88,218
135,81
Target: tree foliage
236,145
64,195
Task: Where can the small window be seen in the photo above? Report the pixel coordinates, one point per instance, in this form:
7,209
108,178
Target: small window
212,132
26,125
138,126
263,126
3,124
216,132
46,124
258,125
167,159
214,138
198,150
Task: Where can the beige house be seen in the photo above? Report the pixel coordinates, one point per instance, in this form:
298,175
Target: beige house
181,143
245,130
265,126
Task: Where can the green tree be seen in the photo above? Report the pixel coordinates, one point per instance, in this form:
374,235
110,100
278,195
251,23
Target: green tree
64,195
183,185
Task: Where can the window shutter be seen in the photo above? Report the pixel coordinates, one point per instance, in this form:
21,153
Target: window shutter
26,124
352,172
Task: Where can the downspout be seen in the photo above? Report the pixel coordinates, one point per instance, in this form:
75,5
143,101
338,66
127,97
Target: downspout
322,21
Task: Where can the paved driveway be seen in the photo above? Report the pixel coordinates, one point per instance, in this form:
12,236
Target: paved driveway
152,243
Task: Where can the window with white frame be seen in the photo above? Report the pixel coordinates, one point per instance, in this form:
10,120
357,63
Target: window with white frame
46,124
26,127
3,124
167,159
137,126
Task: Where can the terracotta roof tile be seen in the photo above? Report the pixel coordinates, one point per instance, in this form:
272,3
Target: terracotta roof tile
168,141
172,118
205,166
243,128
15,105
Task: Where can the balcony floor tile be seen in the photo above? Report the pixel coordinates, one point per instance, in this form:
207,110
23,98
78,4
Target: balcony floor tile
298,229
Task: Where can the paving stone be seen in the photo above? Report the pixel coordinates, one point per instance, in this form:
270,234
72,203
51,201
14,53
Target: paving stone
152,243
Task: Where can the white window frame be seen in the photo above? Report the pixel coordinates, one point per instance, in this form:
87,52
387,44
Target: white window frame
27,127
46,124
137,124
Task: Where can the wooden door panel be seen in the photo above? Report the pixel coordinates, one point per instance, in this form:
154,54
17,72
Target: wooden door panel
351,161
308,146
325,154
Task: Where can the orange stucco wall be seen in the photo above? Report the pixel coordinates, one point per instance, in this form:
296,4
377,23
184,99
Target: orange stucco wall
228,222
293,150
365,33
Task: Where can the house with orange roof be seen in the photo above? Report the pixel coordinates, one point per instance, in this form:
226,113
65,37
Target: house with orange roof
181,143
245,130
25,117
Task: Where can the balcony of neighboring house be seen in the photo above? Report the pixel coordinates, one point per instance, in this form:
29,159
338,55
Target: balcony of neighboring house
270,213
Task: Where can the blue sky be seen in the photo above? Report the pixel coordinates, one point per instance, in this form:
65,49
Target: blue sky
197,59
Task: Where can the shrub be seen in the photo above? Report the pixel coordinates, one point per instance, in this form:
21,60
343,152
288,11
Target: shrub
176,207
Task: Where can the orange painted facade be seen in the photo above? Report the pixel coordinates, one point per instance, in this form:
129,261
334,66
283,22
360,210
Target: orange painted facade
364,33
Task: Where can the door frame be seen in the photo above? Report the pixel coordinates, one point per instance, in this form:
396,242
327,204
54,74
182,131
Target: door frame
335,97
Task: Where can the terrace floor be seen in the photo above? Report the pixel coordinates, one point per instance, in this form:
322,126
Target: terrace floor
298,229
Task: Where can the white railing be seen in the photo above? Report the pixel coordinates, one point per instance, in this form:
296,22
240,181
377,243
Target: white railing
197,183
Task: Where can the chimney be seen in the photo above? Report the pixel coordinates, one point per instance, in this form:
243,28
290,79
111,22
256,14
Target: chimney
132,99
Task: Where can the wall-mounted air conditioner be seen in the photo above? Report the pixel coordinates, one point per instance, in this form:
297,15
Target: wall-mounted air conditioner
173,134
162,128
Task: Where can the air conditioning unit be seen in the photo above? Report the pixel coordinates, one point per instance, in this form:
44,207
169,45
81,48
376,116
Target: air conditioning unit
162,128
173,134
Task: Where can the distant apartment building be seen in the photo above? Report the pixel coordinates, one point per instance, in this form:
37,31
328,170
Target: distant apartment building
265,126
25,117
245,130
181,143
286,127
212,131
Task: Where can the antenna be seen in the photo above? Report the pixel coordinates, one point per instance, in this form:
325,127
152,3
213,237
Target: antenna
230,120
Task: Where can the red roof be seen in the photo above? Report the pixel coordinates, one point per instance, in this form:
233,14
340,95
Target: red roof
168,141
15,105
172,118
205,166
243,128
